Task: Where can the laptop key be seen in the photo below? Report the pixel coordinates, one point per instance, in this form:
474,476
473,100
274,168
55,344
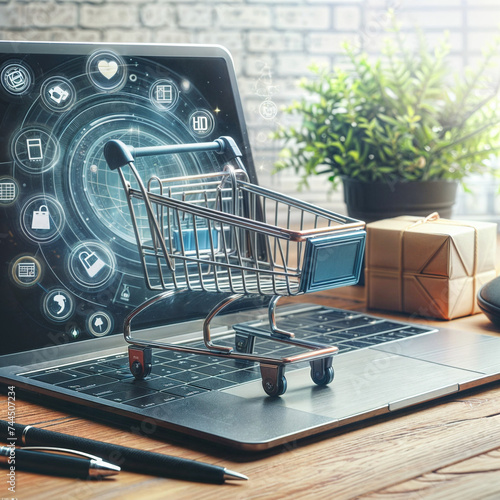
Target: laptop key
188,376
186,391
380,327
158,384
328,315
164,370
94,368
86,382
381,339
166,354
348,335
415,330
401,334
121,374
216,369
356,344
100,390
116,362
389,336
207,358
125,391
322,328
241,364
323,339
213,384
354,322
184,364
59,376
294,323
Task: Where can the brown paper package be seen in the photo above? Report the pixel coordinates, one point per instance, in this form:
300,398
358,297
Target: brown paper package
430,267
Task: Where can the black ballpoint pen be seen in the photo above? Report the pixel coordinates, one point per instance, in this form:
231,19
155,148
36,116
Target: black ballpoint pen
37,460
129,459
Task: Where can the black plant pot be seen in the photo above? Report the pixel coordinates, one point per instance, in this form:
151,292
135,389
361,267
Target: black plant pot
370,201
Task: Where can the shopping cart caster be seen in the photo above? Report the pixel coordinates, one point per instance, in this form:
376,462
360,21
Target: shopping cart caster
273,379
322,371
140,361
244,343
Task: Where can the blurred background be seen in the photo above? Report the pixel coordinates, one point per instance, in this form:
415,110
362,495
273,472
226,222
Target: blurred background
272,42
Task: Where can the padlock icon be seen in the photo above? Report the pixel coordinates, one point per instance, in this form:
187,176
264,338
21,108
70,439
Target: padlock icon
41,218
91,263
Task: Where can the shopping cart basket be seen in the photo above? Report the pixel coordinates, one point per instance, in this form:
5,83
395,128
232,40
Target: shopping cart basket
217,232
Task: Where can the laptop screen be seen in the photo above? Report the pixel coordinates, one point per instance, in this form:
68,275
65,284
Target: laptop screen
69,263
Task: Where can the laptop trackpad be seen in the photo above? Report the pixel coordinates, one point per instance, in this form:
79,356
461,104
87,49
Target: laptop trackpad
467,350
366,381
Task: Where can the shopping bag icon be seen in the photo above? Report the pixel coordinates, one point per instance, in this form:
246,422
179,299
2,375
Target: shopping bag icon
91,263
41,218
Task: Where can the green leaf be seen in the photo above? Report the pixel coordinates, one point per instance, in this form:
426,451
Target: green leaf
389,119
339,159
354,154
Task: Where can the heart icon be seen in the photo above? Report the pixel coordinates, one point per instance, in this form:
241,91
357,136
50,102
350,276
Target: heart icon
108,69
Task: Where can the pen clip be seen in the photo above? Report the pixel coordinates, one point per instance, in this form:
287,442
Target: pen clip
62,450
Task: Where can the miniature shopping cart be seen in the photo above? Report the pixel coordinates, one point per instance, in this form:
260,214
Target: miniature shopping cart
217,232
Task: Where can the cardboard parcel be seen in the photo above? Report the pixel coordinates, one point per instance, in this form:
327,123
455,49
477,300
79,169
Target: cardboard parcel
429,266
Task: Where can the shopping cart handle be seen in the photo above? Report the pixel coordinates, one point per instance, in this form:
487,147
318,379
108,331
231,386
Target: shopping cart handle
117,154
228,145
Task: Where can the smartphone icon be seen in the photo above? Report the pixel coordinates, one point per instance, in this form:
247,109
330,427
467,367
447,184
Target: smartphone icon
34,149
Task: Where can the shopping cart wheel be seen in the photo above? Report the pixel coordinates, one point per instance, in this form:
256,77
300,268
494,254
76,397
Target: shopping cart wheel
273,379
322,371
140,361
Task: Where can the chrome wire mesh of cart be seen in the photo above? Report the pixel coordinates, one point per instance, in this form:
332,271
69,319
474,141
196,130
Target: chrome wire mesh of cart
219,233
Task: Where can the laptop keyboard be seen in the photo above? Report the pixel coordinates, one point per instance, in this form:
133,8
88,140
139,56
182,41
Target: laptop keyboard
179,375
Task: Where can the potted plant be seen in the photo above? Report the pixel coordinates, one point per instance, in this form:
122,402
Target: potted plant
400,131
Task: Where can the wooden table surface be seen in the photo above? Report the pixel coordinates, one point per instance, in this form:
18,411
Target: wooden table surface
449,449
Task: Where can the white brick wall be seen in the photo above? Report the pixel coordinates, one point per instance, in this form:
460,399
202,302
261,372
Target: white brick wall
108,16
300,18
243,16
272,41
155,15
19,15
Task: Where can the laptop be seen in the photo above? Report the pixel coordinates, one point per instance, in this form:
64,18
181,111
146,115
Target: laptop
70,272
